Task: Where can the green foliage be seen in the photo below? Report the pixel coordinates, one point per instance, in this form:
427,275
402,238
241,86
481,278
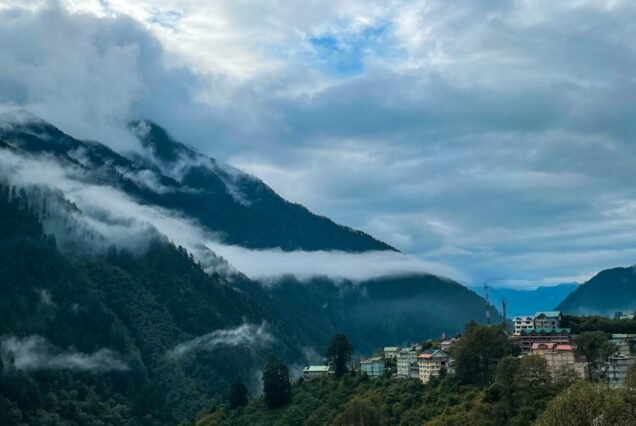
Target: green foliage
478,352
506,378
238,395
339,353
276,386
588,404
594,345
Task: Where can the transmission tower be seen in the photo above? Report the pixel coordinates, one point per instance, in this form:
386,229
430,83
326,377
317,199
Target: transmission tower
487,303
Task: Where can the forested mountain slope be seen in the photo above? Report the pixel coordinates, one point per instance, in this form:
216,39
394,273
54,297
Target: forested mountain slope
608,291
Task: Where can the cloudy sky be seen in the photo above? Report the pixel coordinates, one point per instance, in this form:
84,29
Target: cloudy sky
495,137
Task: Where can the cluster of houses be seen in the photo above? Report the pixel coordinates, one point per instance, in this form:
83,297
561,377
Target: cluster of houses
412,362
540,334
543,335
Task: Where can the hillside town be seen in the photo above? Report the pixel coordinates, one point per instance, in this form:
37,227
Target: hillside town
538,335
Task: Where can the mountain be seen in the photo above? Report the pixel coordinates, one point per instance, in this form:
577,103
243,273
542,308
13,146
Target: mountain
113,305
238,207
608,291
527,302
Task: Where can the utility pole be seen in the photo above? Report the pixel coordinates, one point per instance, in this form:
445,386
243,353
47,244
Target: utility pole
487,303
503,310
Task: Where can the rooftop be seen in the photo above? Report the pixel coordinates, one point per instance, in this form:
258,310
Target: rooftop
546,330
548,313
316,369
391,348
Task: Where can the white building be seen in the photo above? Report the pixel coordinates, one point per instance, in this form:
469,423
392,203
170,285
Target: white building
521,323
391,351
617,368
405,358
431,362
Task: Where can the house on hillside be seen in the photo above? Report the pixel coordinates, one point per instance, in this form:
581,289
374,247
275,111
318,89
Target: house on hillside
448,344
547,319
561,358
522,322
405,358
530,336
617,368
314,371
391,352
372,367
431,362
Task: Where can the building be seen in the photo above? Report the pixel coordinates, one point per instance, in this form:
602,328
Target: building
414,370
314,371
431,362
530,336
561,358
405,358
521,323
547,319
372,367
617,368
391,352
622,343
448,344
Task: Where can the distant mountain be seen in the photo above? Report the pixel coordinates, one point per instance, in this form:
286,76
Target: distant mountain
608,291
527,302
237,207
141,331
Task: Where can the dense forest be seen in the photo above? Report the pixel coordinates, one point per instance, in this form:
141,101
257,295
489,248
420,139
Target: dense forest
86,340
95,337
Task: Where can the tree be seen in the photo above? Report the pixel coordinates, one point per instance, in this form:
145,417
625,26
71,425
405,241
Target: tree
506,379
594,345
587,404
276,385
360,412
238,395
478,352
339,353
534,373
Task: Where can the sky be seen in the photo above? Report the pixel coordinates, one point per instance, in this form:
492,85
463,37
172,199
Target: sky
494,137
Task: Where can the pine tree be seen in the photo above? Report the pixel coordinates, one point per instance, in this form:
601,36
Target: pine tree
276,385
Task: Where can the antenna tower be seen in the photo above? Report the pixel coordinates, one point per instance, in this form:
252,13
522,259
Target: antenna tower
487,303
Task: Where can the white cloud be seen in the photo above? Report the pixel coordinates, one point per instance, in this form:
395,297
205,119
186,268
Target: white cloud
481,135
34,353
248,335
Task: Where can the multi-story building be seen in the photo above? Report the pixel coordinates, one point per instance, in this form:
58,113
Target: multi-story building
561,358
530,336
547,319
617,368
521,323
405,358
431,362
414,370
391,352
372,367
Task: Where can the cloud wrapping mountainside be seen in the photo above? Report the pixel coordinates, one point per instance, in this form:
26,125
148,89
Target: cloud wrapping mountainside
34,353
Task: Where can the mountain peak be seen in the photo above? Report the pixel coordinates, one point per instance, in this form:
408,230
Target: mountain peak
159,142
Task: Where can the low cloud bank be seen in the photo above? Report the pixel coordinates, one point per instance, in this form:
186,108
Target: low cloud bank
35,353
269,264
251,335
118,219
